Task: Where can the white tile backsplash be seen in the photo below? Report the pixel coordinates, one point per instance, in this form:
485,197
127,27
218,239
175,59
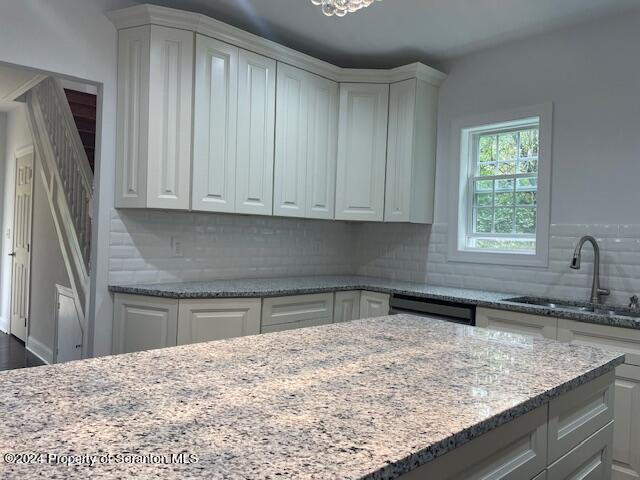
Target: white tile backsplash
231,246
217,246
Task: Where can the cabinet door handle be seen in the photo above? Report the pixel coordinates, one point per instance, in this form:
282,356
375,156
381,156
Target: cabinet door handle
12,254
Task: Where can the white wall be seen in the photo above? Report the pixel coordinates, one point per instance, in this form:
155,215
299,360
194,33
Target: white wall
47,271
591,73
3,162
75,38
18,136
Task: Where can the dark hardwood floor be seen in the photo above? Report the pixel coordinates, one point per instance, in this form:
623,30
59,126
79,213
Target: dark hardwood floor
13,354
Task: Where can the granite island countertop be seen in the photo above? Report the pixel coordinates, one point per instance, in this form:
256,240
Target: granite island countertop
278,286
367,399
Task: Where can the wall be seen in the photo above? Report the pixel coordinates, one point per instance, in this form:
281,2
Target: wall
75,38
224,246
47,270
591,74
18,136
3,162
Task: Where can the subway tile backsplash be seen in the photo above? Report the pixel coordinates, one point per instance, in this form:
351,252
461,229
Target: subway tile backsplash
211,246
218,246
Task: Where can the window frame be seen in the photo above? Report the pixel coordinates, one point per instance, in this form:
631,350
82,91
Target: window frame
464,133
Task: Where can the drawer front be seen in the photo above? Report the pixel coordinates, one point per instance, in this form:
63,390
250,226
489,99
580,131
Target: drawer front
617,339
296,311
515,322
577,415
591,460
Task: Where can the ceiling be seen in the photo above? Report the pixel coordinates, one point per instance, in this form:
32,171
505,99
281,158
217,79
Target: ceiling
395,32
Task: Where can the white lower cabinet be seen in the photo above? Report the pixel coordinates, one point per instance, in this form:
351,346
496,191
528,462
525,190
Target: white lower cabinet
346,306
626,437
296,311
373,304
144,323
534,325
208,320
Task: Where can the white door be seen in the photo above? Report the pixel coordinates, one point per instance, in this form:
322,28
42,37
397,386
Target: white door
402,101
362,151
215,118
373,304
21,253
170,99
322,147
68,328
217,319
256,124
292,103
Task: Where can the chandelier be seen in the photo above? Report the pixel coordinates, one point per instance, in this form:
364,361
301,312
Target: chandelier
341,7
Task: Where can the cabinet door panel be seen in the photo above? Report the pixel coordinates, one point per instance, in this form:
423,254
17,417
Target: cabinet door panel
362,143
144,323
133,118
515,322
215,118
346,306
256,123
208,320
402,101
373,304
292,102
322,140
170,90
626,437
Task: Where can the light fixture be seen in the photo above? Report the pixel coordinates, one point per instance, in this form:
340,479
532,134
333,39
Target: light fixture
341,7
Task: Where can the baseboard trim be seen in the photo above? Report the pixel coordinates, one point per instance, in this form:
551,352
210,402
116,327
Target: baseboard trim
40,350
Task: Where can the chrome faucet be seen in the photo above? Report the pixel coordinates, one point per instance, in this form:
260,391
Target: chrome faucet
596,291
634,303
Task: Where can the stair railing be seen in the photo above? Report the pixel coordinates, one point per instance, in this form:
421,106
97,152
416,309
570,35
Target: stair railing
68,178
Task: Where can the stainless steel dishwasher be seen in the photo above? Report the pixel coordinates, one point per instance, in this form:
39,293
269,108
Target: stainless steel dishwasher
424,307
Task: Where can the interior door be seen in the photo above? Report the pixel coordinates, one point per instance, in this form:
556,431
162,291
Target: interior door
69,332
21,243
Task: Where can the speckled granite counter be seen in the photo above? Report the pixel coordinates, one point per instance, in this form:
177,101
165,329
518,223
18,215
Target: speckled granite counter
368,399
273,287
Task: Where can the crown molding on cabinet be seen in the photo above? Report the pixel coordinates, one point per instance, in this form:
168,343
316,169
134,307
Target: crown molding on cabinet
168,17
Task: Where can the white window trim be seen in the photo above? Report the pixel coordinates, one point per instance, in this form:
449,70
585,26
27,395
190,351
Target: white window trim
462,130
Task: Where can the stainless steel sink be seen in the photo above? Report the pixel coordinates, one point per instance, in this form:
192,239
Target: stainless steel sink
576,306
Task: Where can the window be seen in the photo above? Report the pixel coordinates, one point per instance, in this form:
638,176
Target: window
502,187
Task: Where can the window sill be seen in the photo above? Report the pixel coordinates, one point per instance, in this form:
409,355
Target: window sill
499,259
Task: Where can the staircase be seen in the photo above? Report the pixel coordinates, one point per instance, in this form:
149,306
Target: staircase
83,109
65,143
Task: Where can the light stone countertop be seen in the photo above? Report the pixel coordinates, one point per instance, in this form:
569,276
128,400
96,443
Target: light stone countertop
368,399
273,287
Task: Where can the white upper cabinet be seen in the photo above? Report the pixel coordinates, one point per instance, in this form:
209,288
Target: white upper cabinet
305,151
155,84
292,107
215,119
322,141
256,123
411,153
362,151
